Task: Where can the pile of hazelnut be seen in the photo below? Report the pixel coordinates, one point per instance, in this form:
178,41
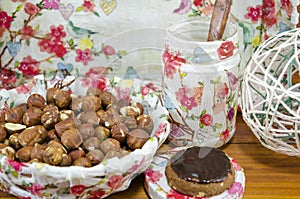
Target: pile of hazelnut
65,129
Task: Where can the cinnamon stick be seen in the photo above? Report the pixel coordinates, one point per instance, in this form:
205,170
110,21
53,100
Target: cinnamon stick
219,19
298,10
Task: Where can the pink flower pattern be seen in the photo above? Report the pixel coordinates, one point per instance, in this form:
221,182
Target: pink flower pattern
206,119
35,189
51,4
57,32
7,78
109,50
171,63
220,100
115,181
95,81
123,94
287,6
77,189
17,166
225,135
254,13
161,129
153,176
100,70
29,66
23,89
84,56
5,20
268,13
27,32
236,166
88,6
236,188
226,49
31,8
185,96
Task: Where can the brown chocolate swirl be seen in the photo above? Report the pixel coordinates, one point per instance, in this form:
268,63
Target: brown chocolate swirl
201,165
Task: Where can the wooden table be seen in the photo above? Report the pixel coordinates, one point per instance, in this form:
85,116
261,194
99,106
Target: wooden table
268,174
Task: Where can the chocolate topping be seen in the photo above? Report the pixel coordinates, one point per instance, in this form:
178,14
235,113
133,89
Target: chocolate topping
201,165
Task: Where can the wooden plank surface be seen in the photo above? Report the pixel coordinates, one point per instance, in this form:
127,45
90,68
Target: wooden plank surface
268,174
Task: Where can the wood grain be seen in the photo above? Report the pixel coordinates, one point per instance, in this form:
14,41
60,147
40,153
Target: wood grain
219,19
268,174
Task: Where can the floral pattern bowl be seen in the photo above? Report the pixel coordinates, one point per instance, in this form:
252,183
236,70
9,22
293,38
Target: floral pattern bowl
40,180
156,183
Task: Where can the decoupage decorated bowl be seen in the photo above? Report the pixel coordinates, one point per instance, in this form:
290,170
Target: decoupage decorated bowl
41,180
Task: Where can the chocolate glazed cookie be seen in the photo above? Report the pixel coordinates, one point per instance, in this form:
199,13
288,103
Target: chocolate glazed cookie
200,172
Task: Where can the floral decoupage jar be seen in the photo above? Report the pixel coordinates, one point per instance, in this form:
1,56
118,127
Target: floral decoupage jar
200,83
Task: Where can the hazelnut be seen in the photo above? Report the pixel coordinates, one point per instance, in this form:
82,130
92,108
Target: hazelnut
14,141
66,161
14,127
36,100
93,91
62,98
33,161
23,154
32,135
115,113
145,122
71,138
137,138
65,114
56,143
110,144
92,143
53,155
113,108
64,125
7,151
90,117
76,104
139,106
50,107
86,130
130,111
130,122
15,114
119,132
123,102
100,112
50,118
2,116
119,153
107,98
32,116
52,135
2,133
102,133
77,153
91,103
95,156
37,152
82,161
108,120
50,95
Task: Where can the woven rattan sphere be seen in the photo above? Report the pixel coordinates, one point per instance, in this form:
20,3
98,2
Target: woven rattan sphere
271,93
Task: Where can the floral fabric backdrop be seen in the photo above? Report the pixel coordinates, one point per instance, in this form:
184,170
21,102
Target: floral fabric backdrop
75,36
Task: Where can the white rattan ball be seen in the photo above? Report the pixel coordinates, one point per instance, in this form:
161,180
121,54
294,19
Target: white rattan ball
271,93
